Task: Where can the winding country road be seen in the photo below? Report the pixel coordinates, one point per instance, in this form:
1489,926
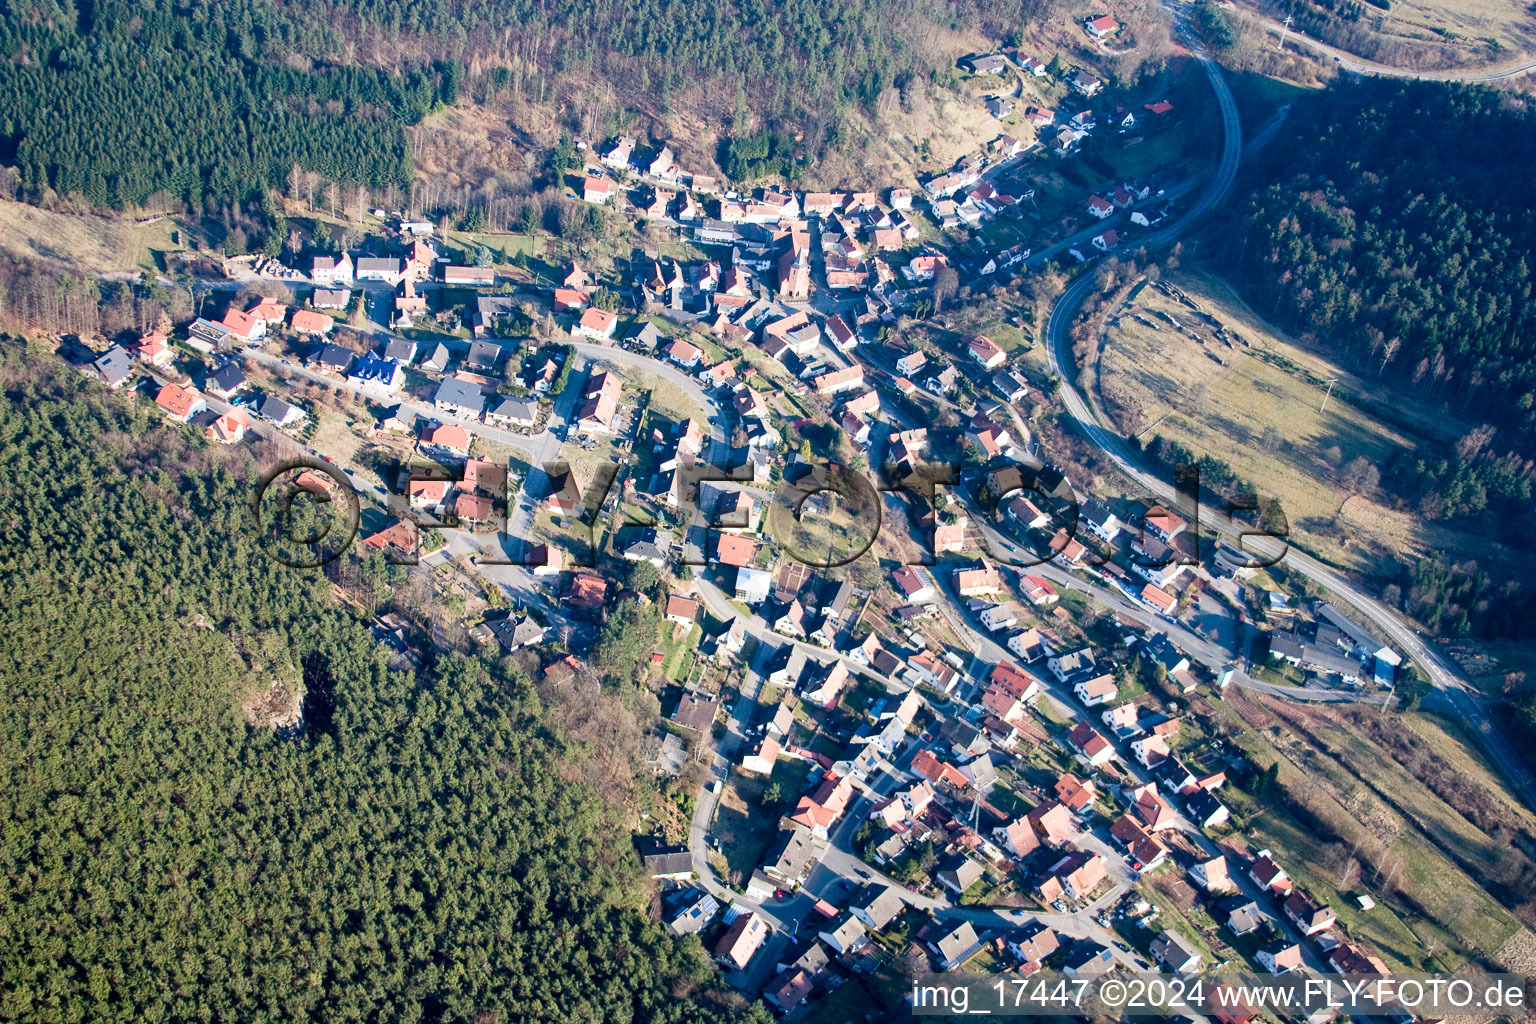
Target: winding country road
1454,690
1360,66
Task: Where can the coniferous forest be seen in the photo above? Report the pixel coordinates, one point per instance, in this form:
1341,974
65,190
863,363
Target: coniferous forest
1393,227
417,852
115,100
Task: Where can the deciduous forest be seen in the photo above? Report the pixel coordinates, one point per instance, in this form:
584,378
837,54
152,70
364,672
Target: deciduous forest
418,851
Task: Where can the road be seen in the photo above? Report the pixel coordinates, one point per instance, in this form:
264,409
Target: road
1059,349
1360,66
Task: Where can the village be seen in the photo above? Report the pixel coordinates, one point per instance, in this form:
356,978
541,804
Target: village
994,742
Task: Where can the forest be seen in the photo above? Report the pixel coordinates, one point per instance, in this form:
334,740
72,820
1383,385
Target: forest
1392,232
207,102
1393,229
118,101
418,850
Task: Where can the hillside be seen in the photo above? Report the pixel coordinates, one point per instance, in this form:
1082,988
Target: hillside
418,851
332,88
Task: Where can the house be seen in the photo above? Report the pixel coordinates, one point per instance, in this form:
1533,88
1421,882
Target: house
375,268
597,413
998,106
985,64
1212,876
385,374
1085,84
1281,958
618,155
475,277
459,398
824,684
789,989
876,905
1076,875
1099,520
1174,952
1205,809
585,591
180,403
690,912
1150,750
1018,837
1038,591
597,324
752,585
1245,919
957,873
1070,666
682,610
229,428
1097,690
844,933
838,380
1144,851
597,190
956,946
1053,822
1090,745
279,412
329,271
244,325
792,857
1033,944
985,351
153,348
924,763
908,365
1102,26
330,298
1272,876
981,580
513,413
1074,793
1107,241
1159,109
763,760
114,367
684,353
819,809
675,864
1087,960
1029,645
437,360
741,940
1100,207
1307,915
206,336
446,438
1034,66
1160,600
517,632
914,583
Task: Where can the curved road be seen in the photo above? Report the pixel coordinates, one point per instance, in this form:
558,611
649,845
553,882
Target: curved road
1442,675
1360,66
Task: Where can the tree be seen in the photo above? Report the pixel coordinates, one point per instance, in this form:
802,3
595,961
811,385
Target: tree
483,257
1359,475
945,283
561,159
625,639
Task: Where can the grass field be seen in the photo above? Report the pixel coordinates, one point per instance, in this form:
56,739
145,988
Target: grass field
100,243
1260,407
1430,912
